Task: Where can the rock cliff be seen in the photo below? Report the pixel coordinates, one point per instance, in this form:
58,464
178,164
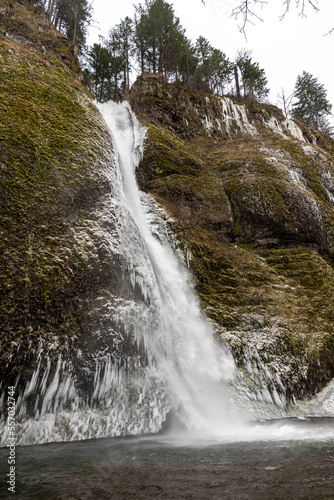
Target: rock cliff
250,197
53,156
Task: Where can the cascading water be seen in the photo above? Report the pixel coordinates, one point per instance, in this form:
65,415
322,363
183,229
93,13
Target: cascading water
149,351
152,353
180,341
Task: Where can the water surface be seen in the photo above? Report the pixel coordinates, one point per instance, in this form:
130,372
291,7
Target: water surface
287,459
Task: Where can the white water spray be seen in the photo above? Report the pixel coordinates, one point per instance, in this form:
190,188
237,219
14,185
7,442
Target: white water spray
195,368
152,353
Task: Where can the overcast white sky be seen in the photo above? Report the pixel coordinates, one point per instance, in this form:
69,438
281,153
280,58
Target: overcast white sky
282,48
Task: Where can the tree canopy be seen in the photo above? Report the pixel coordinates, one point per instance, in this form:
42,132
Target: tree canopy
70,17
254,81
312,106
154,41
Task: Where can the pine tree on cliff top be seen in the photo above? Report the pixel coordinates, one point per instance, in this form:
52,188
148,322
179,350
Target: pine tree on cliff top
312,106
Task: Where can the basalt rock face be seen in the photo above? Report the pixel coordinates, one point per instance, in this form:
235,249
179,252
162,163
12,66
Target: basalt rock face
251,199
250,196
54,155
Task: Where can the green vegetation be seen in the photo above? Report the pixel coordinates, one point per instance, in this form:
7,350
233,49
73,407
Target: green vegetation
51,137
254,81
256,225
155,42
312,106
252,213
70,17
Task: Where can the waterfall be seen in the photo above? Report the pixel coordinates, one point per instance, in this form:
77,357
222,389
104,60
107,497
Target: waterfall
152,353
181,343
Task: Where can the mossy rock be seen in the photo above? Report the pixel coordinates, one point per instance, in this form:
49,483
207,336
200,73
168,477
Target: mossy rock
53,156
254,215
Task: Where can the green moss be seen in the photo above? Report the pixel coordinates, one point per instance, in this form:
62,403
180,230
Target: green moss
51,138
243,190
313,281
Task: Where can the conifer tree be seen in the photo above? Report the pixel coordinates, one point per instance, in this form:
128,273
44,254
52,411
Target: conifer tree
99,75
154,41
214,69
140,35
254,81
221,71
184,61
125,32
71,17
203,52
312,106
157,35
114,44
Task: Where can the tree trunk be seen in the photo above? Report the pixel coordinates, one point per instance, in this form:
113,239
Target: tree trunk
142,58
115,79
50,10
76,15
154,62
236,77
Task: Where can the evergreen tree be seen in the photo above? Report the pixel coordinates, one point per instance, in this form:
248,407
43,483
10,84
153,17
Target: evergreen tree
185,61
98,77
254,81
140,35
158,35
221,71
161,28
312,106
178,54
214,69
203,52
114,44
155,41
71,17
125,33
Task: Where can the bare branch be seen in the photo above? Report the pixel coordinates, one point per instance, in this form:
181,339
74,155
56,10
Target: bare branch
285,101
246,10
300,4
247,14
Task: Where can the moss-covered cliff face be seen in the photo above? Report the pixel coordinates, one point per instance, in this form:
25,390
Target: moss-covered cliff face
252,199
54,149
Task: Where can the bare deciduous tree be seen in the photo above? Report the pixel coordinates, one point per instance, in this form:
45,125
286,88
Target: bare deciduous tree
285,101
